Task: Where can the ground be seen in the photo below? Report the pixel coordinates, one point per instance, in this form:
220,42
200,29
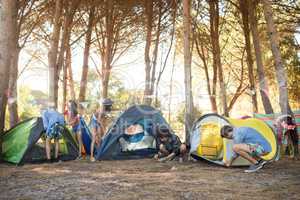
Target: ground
148,179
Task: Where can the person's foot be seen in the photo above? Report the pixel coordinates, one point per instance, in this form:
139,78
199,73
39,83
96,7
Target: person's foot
92,159
48,161
262,162
180,159
254,168
79,157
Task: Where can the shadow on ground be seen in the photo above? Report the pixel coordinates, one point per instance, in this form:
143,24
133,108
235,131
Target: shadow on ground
147,179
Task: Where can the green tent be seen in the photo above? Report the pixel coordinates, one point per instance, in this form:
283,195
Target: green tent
25,143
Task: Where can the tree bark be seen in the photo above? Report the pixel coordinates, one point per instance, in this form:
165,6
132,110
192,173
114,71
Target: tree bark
109,25
7,23
70,72
149,25
214,28
13,75
53,54
13,90
187,69
263,84
85,68
280,70
212,98
245,18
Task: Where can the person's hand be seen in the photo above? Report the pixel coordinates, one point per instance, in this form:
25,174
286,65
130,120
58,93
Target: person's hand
227,163
156,157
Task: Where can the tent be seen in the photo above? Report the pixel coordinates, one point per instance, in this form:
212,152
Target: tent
206,142
25,143
119,144
86,136
271,118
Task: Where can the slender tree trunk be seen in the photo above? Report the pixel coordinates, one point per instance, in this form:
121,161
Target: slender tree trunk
171,86
53,54
245,18
109,24
214,27
212,98
70,72
13,90
187,69
85,68
7,24
280,70
263,84
149,25
13,75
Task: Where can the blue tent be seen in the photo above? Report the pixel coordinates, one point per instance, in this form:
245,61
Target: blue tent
86,136
118,145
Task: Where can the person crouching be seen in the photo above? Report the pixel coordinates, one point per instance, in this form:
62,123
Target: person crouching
169,145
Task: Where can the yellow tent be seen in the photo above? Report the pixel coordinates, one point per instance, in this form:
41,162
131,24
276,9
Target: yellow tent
206,142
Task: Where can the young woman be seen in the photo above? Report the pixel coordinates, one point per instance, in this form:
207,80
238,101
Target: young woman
97,131
74,122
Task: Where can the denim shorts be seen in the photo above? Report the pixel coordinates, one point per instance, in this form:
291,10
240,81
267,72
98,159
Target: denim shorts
76,128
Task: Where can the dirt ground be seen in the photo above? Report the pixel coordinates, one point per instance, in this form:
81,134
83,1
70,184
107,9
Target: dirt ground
148,179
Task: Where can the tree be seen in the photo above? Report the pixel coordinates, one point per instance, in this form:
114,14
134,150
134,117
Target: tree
187,68
263,84
85,67
53,54
280,70
245,18
214,31
8,23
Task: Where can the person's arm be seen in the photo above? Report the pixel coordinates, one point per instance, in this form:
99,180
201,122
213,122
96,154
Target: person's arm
45,120
73,121
228,163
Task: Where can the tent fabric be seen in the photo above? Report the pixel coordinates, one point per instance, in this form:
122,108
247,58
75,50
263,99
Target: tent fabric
24,143
271,118
86,136
136,146
206,142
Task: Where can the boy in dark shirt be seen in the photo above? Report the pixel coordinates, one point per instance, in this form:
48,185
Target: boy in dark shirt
169,145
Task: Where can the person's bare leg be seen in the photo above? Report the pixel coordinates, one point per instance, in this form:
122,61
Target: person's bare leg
78,135
93,142
163,150
56,148
48,148
244,150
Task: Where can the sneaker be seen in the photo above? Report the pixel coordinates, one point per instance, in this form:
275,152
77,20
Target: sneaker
262,162
92,159
79,158
254,168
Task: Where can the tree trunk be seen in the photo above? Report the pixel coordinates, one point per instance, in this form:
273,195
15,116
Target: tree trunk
85,68
245,18
13,75
187,69
149,18
70,72
263,85
280,70
212,98
7,23
53,53
109,25
214,28
13,90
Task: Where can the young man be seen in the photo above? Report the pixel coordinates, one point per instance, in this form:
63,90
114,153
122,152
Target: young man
53,124
169,145
249,144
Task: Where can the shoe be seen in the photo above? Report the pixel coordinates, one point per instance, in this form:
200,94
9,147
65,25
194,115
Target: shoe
262,162
79,158
254,168
92,159
180,160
